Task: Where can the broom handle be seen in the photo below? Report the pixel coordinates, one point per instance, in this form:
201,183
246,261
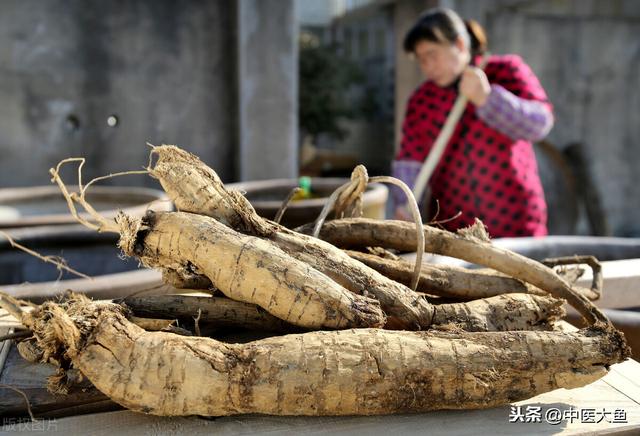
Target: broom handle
441,142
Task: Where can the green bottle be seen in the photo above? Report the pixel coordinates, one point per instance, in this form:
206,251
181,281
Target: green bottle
304,183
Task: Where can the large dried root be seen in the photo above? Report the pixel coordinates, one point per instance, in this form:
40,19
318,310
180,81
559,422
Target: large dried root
244,268
363,232
447,281
247,269
496,316
255,270
352,372
176,168
196,188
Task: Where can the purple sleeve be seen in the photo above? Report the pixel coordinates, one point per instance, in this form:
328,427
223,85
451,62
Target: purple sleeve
407,171
516,117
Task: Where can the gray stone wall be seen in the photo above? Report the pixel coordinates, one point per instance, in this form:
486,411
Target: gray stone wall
161,68
99,79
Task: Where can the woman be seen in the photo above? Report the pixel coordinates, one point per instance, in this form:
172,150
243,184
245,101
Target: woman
488,169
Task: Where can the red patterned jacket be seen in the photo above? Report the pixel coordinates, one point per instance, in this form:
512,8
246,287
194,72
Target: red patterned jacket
488,169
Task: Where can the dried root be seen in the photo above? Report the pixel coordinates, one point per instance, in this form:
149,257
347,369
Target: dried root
280,280
361,372
248,269
200,190
244,268
185,279
404,308
447,281
196,188
469,246
508,312
215,311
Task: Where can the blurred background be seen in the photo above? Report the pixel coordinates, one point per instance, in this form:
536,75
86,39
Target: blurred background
264,89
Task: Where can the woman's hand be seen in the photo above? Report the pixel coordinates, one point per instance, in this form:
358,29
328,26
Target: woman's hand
475,86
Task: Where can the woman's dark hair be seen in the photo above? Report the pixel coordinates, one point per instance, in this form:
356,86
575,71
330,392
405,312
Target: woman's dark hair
444,26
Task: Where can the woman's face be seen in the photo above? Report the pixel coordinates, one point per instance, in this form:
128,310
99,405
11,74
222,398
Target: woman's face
442,63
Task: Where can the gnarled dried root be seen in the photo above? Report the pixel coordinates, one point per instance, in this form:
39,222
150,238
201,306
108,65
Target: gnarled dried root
507,312
244,268
196,188
247,269
404,308
363,232
350,372
200,190
445,280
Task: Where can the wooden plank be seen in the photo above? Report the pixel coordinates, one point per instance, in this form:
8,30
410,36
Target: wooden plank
108,286
465,423
625,378
31,379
